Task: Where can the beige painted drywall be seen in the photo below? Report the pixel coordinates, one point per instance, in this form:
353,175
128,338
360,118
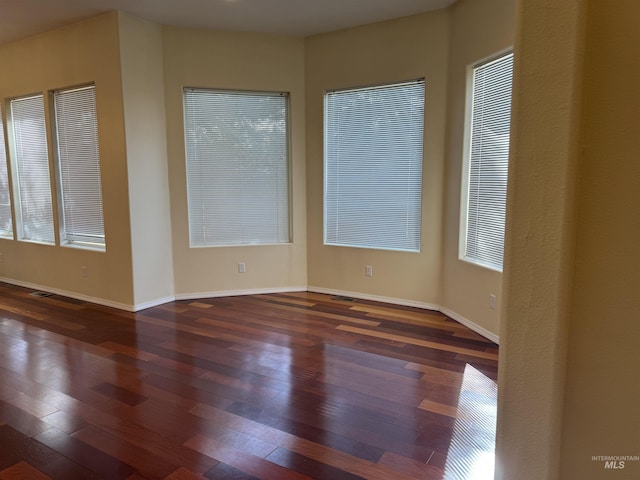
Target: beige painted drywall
243,61
479,29
142,69
78,54
602,397
397,50
568,386
540,237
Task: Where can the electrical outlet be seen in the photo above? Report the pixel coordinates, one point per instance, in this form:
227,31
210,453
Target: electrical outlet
368,271
492,301
242,267
84,271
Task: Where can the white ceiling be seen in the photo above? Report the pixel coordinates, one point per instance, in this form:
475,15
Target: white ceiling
21,18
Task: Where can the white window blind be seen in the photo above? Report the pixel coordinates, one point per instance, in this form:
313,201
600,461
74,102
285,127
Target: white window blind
237,167
488,162
78,162
6,224
34,214
373,166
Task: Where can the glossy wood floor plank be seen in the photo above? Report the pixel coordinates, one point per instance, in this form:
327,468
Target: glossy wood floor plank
281,386
416,341
22,471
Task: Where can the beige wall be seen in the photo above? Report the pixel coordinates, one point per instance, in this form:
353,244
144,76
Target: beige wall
141,56
479,29
601,410
568,381
81,53
403,49
545,152
242,61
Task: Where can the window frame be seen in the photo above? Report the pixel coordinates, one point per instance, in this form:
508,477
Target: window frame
64,241
467,164
15,174
6,163
415,239
287,166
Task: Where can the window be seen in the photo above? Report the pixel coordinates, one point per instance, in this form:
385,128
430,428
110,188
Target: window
237,155
486,163
6,224
32,182
373,166
78,167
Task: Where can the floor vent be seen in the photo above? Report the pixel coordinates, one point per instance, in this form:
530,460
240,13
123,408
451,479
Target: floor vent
343,299
41,294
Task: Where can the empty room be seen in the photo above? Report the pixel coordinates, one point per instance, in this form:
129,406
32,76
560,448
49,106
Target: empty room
275,239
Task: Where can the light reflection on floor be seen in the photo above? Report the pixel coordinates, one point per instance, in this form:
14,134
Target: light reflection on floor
471,455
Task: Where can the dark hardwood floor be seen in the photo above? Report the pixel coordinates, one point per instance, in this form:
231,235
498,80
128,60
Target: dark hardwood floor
275,387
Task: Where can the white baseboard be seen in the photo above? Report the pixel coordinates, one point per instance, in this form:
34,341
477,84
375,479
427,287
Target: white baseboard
152,303
258,291
65,293
473,326
235,293
412,303
375,298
